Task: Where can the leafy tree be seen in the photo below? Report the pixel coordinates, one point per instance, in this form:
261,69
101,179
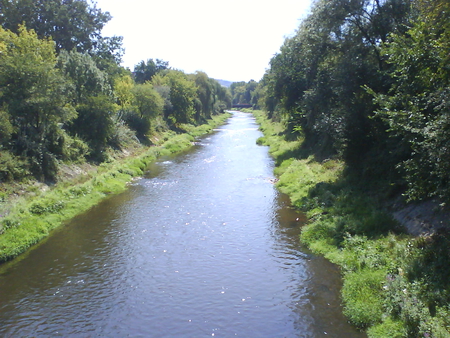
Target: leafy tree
242,92
317,79
148,104
70,23
35,94
205,95
95,123
123,86
87,78
144,71
222,98
416,107
237,92
183,93
108,50
6,128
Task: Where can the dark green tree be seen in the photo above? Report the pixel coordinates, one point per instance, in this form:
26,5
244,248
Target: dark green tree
416,107
144,71
317,79
87,79
147,105
70,23
183,94
36,96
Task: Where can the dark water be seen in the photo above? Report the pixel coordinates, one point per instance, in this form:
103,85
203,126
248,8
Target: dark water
202,246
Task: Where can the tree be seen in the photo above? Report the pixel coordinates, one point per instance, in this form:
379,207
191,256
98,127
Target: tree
205,95
70,23
317,79
123,86
35,94
87,78
416,107
95,123
183,93
222,98
144,71
148,104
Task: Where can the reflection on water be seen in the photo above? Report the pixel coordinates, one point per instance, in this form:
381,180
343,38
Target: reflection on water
202,246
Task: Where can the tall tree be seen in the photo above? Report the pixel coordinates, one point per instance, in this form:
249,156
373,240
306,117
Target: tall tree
183,93
416,107
35,93
87,78
144,71
317,78
70,23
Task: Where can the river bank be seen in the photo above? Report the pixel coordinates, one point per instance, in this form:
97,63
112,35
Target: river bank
394,284
29,216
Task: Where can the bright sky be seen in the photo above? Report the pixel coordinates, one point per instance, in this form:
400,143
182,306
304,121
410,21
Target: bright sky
231,40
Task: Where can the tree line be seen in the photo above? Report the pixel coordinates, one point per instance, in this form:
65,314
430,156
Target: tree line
368,81
64,96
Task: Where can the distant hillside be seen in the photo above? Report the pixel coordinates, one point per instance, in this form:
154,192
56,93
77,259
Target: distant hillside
225,83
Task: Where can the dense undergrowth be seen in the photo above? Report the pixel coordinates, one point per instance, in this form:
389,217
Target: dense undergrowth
29,219
394,285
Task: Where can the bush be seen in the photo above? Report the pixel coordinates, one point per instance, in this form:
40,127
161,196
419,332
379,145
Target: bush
12,167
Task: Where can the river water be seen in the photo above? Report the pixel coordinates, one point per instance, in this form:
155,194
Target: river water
202,246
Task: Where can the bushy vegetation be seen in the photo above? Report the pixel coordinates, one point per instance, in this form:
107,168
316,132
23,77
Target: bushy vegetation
394,285
64,96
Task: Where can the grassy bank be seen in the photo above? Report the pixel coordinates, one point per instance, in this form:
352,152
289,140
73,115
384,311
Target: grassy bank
394,285
31,218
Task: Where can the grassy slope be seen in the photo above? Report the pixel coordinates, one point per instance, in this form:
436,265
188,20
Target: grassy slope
31,219
394,285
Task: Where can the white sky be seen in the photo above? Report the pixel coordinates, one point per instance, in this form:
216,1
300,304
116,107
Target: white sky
231,40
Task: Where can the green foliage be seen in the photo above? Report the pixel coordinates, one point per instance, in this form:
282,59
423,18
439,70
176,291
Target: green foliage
144,71
6,127
35,94
244,92
87,79
98,113
46,207
205,94
148,102
416,107
388,328
182,96
55,19
316,80
12,167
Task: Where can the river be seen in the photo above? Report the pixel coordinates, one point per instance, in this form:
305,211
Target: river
202,246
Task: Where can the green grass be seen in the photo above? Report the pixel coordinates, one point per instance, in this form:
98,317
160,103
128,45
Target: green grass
393,285
32,219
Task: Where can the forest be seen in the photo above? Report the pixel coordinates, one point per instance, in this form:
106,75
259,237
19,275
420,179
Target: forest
64,98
